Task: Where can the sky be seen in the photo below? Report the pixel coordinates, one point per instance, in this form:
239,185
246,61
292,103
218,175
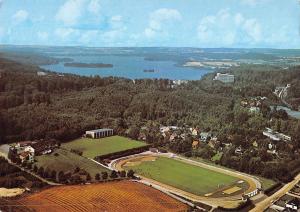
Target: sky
140,23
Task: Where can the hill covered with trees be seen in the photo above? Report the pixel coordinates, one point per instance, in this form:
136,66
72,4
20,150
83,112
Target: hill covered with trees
63,106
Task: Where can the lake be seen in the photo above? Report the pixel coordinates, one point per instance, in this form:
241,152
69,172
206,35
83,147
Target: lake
130,67
292,113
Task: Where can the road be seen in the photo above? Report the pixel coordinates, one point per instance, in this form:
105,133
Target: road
261,206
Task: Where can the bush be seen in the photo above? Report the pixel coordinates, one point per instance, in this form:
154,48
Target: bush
130,173
97,177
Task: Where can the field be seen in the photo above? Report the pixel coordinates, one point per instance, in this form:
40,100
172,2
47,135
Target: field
265,182
181,175
96,147
67,161
113,196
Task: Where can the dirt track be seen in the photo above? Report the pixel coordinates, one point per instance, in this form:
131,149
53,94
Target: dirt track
229,202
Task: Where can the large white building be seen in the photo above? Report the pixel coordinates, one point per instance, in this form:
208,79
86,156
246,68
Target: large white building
99,133
226,78
276,136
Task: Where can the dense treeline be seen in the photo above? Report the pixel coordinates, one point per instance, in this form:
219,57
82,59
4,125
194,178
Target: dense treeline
12,177
62,107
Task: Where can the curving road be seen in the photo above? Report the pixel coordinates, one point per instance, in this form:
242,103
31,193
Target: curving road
263,205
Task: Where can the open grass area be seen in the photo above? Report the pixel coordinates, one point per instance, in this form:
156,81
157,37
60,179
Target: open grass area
67,161
266,183
97,147
187,177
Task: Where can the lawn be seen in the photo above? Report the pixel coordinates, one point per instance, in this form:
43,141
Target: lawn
190,178
266,183
97,147
67,161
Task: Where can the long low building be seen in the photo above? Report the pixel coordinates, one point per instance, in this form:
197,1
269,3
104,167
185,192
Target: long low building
99,133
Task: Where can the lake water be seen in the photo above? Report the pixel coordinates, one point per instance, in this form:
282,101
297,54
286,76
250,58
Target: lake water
130,67
292,113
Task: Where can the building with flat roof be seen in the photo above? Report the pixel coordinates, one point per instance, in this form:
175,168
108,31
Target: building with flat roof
99,133
226,78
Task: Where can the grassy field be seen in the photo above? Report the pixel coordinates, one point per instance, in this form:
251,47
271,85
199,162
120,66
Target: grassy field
266,183
66,161
96,147
184,176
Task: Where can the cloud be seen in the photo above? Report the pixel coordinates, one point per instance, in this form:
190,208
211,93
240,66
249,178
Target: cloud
159,19
42,35
64,33
20,16
70,12
94,7
253,3
227,29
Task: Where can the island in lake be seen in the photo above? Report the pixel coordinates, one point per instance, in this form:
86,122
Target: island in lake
150,70
89,65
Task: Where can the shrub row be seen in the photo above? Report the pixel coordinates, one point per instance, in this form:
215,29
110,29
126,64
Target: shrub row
124,153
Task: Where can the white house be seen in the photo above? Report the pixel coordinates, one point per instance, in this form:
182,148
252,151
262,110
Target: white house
293,204
226,78
99,133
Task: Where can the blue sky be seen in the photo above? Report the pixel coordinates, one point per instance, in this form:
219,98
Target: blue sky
178,23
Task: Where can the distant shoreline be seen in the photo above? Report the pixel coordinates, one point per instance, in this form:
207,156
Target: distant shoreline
89,65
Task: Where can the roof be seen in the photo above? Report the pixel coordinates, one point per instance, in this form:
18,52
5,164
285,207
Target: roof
195,143
24,154
99,130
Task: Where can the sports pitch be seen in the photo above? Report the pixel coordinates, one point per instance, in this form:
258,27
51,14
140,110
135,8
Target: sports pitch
97,147
191,178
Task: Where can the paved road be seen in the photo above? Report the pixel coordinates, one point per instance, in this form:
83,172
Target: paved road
261,206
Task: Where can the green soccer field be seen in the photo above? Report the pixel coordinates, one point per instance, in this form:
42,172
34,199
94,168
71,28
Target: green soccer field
190,178
97,147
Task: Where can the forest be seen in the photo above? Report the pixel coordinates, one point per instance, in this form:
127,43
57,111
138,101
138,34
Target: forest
62,106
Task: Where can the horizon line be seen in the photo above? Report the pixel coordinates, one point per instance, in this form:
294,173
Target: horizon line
80,46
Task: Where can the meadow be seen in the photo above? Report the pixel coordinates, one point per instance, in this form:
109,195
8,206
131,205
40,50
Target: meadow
66,161
97,147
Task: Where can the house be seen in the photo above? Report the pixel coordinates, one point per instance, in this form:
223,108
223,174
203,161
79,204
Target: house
153,150
99,133
173,136
293,204
41,73
195,144
254,109
225,78
213,143
255,144
244,103
205,136
26,157
194,131
22,151
238,150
